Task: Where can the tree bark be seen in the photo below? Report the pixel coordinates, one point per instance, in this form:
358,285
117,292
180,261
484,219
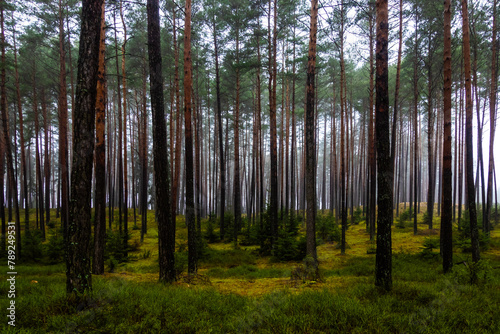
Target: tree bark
78,273
446,214
100,152
166,228
188,88
310,137
493,111
471,196
383,266
6,137
221,146
63,126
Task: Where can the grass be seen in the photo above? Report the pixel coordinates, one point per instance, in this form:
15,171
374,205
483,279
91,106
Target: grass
244,292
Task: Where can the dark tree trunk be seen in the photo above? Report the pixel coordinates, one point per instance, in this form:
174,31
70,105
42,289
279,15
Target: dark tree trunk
63,126
6,138
310,137
221,146
273,204
24,190
471,196
446,214
188,89
383,266
166,228
236,184
78,273
100,159
371,149
493,96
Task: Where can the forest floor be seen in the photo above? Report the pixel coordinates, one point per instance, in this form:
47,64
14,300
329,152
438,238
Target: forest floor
237,290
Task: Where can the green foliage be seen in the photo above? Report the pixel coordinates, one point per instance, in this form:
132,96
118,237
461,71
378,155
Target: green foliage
428,247
327,229
289,248
228,258
469,272
404,217
210,235
251,235
181,261
463,240
32,246
248,271
54,248
115,247
308,271
357,216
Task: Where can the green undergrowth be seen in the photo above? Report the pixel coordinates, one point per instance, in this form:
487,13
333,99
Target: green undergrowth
436,304
242,291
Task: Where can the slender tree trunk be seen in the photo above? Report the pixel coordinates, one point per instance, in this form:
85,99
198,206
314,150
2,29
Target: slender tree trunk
166,228
221,147
430,134
6,138
236,184
125,176
100,160
46,157
119,151
371,134
188,88
415,126
310,138
78,272
446,215
396,91
493,102
471,199
144,158
273,205
38,167
343,136
383,266
63,126
178,116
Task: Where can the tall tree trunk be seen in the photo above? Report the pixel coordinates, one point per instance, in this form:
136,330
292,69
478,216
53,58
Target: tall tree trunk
46,157
446,215
100,160
78,273
125,176
371,134
177,159
63,126
415,126
166,228
236,185
188,89
310,138
471,198
396,91
430,135
493,113
221,146
38,167
383,266
6,138
144,158
24,189
273,204
119,151
343,137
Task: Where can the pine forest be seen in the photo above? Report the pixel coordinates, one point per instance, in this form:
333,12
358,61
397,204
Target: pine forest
249,166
